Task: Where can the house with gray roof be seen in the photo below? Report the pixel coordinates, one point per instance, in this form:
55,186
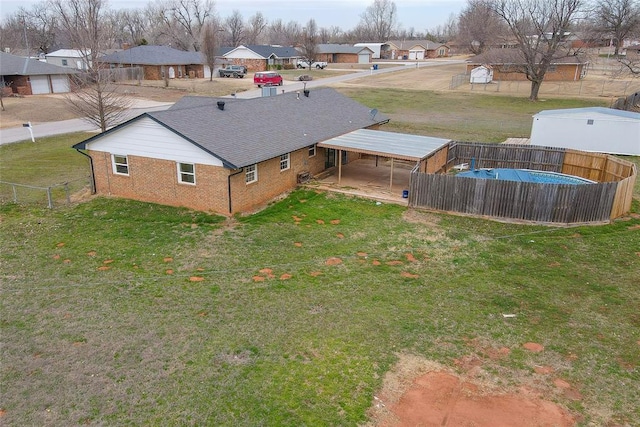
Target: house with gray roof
25,76
414,50
224,155
343,53
158,61
261,57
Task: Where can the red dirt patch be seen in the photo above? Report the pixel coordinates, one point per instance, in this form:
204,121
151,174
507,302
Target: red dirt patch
560,383
362,254
440,398
67,261
340,236
410,257
107,261
320,221
315,273
554,264
376,262
335,221
333,261
169,271
634,227
533,347
56,256
167,259
103,267
196,279
285,276
199,269
398,262
296,218
92,253
258,279
59,245
409,275
298,244
266,271
543,370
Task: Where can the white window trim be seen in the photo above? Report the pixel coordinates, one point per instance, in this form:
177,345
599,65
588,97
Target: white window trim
315,150
254,171
114,164
285,158
181,172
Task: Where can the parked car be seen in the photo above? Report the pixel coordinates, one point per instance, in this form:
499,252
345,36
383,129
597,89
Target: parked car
315,64
234,71
267,78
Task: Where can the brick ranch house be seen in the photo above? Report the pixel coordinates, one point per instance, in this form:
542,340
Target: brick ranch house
260,57
508,65
223,155
25,76
342,53
158,60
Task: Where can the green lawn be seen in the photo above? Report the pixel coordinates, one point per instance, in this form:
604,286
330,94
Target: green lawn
116,312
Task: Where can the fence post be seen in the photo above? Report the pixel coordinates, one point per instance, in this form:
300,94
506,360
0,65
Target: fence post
49,198
15,194
66,192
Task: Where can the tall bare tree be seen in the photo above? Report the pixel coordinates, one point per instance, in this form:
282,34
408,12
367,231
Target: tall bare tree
309,42
256,28
191,17
539,26
478,26
380,20
87,27
235,28
210,45
617,19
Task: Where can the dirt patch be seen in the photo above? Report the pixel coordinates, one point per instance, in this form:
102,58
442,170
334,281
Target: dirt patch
420,392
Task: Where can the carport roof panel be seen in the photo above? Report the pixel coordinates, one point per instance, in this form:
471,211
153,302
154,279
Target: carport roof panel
388,144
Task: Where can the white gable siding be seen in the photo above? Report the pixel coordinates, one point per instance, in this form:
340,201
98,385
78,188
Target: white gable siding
242,52
146,138
606,133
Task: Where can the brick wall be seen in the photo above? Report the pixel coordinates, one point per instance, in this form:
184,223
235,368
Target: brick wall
251,64
156,181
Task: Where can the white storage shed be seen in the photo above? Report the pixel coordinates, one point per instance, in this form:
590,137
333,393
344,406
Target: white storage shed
597,129
482,74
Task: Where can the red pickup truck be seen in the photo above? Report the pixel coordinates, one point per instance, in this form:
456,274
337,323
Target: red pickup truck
267,78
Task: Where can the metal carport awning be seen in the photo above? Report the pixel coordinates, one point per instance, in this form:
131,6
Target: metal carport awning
394,145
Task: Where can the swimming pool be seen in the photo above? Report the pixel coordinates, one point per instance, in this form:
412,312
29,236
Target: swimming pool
525,175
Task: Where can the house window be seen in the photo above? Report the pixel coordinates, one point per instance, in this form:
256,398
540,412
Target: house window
589,121
64,63
312,150
284,162
251,173
120,164
187,173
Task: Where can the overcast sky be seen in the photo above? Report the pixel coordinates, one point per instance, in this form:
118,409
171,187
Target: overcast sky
419,14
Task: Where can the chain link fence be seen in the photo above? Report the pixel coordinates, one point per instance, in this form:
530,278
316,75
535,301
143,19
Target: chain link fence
51,196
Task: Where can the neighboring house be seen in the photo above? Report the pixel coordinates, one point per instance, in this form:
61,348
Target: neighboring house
261,57
71,58
633,52
32,77
376,48
224,155
508,64
414,50
158,62
344,53
598,129
481,74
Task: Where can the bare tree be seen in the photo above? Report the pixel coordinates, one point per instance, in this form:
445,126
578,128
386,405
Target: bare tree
210,45
539,26
191,17
178,22
135,24
86,25
309,45
235,28
379,20
617,19
255,28
478,26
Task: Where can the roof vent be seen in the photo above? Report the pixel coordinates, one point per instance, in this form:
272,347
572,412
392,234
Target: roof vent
306,93
373,113
221,105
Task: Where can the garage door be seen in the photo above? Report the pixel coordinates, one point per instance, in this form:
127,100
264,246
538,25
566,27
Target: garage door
363,58
39,84
60,84
416,54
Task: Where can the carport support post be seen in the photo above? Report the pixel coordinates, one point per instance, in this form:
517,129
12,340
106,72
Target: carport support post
339,165
391,176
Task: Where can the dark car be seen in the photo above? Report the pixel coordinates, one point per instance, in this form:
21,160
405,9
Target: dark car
234,71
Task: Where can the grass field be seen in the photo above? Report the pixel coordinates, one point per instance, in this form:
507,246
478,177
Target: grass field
116,312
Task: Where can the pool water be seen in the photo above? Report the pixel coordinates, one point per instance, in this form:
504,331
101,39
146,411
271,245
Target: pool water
525,175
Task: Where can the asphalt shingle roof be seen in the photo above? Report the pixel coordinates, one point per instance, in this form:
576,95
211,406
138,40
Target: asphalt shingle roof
515,56
278,51
340,48
153,55
12,65
250,131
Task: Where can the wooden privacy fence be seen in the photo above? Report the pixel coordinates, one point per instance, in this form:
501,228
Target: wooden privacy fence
609,198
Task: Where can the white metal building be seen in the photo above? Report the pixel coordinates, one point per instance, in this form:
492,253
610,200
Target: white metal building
482,74
596,129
